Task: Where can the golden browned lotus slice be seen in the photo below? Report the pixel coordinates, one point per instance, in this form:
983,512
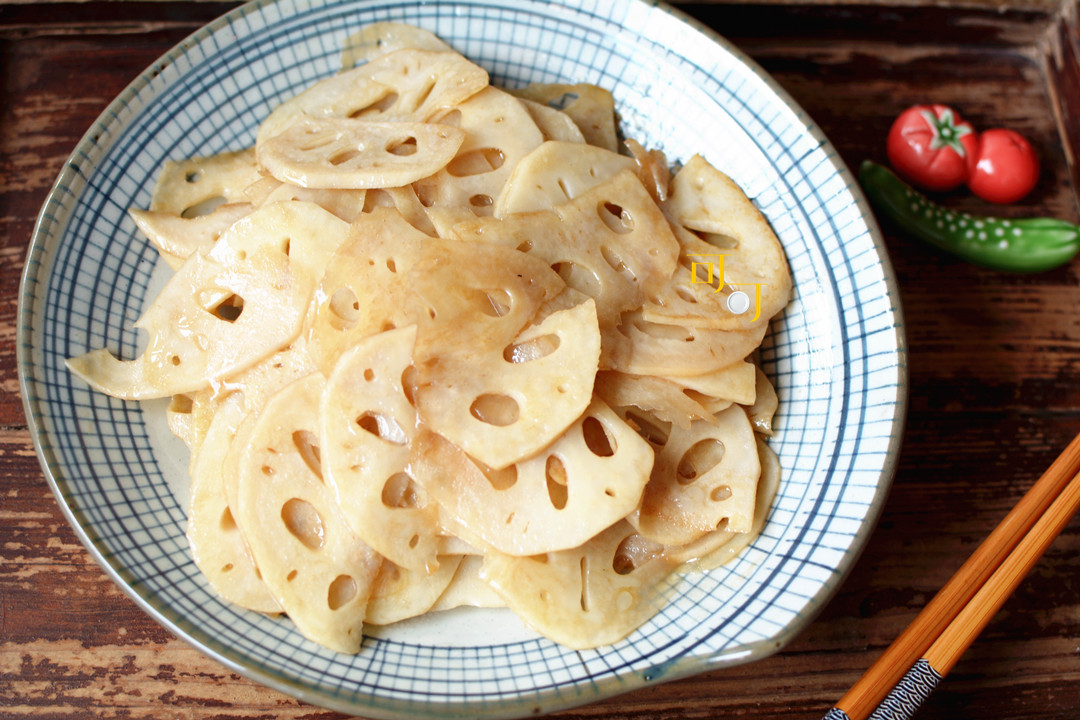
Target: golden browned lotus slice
476,297
553,124
658,396
407,85
590,106
344,154
652,168
712,217
588,596
196,186
721,546
216,542
383,37
367,423
366,287
318,570
506,403
176,237
702,477
584,481
400,594
499,132
555,173
675,351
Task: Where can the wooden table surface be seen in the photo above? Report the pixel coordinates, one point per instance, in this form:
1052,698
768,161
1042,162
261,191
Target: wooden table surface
994,370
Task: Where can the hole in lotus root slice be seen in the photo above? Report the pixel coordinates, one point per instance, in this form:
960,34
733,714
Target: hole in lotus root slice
383,426
529,350
476,162
678,505
493,409
344,307
702,457
615,217
555,475
655,431
597,438
577,598
403,147
303,522
633,552
293,521
342,591
401,492
307,444
228,309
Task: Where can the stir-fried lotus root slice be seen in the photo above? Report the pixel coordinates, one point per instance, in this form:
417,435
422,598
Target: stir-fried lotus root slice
367,424
499,132
506,403
721,546
610,243
366,287
591,107
675,351
318,570
764,408
588,478
712,217
343,153
400,594
347,205
304,232
216,543
657,396
652,169
702,477
197,186
553,124
475,297
717,389
383,37
404,85
208,322
189,416
555,173
467,589
176,237
587,596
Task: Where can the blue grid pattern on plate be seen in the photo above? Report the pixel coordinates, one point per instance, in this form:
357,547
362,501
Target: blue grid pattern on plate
836,354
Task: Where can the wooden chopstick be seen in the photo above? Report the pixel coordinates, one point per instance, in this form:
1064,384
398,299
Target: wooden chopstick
905,654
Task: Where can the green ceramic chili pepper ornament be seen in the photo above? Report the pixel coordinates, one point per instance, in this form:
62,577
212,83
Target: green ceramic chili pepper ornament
1016,245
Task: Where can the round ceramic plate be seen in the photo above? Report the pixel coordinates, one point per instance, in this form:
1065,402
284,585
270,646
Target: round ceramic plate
836,354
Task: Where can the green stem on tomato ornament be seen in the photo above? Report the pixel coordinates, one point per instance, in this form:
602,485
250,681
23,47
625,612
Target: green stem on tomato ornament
1016,245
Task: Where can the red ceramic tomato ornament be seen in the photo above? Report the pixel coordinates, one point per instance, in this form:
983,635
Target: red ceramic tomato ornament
1003,168
930,146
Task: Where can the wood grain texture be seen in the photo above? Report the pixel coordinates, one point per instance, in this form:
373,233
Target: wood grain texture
994,364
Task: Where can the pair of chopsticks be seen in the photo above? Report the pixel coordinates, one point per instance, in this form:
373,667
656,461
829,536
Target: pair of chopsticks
906,673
